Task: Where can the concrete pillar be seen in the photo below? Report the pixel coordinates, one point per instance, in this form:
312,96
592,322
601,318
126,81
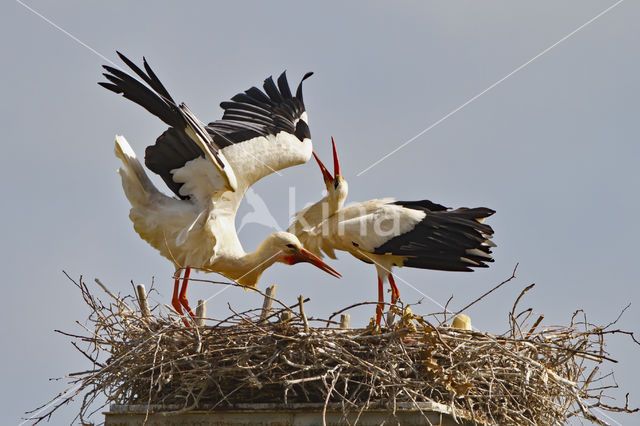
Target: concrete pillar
278,415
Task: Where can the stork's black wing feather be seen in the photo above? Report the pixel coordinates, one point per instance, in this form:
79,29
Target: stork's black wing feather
132,89
283,85
272,90
261,113
172,150
448,240
174,147
421,205
246,116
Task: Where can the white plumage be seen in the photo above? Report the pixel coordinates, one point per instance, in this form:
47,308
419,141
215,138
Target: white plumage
390,233
210,169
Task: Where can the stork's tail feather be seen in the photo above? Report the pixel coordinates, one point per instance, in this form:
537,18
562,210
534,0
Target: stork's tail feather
137,185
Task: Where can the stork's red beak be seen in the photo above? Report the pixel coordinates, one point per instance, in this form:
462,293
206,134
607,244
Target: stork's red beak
336,164
328,178
325,173
304,255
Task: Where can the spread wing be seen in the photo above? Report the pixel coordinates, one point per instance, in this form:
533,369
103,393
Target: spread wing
260,132
155,98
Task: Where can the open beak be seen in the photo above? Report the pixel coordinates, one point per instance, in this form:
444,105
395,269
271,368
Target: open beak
305,255
328,178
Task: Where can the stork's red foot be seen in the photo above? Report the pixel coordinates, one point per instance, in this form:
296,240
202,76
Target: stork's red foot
179,299
380,305
379,313
175,301
183,293
395,293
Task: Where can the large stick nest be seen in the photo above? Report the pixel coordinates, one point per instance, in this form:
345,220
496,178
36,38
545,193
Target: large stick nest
530,375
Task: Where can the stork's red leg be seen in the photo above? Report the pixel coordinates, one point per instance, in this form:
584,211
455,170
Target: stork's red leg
175,301
380,301
395,293
183,292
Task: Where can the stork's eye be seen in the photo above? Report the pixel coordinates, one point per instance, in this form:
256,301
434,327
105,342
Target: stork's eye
335,184
291,246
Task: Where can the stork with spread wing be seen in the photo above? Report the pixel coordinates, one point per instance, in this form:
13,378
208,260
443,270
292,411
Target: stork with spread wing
209,169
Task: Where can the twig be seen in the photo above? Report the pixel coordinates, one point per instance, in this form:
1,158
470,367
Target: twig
512,317
113,296
302,314
513,275
355,305
534,326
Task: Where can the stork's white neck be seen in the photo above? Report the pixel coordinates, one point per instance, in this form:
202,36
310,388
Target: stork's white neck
321,210
247,268
310,216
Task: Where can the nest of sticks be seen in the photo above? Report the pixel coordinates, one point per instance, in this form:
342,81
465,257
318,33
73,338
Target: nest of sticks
530,375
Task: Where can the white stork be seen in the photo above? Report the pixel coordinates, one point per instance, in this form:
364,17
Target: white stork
209,168
388,233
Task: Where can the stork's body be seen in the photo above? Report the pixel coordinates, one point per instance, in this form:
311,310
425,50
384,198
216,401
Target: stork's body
388,233
209,169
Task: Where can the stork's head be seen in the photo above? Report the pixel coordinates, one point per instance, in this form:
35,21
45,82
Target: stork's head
337,186
290,251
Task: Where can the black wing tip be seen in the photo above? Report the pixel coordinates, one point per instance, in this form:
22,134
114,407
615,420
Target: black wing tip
449,240
452,262
283,75
146,90
110,69
421,205
110,86
490,212
283,85
262,111
269,87
128,61
299,91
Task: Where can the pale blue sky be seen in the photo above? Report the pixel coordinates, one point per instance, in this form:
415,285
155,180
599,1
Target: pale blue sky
553,149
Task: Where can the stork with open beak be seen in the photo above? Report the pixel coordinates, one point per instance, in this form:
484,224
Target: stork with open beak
337,190
209,169
388,233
